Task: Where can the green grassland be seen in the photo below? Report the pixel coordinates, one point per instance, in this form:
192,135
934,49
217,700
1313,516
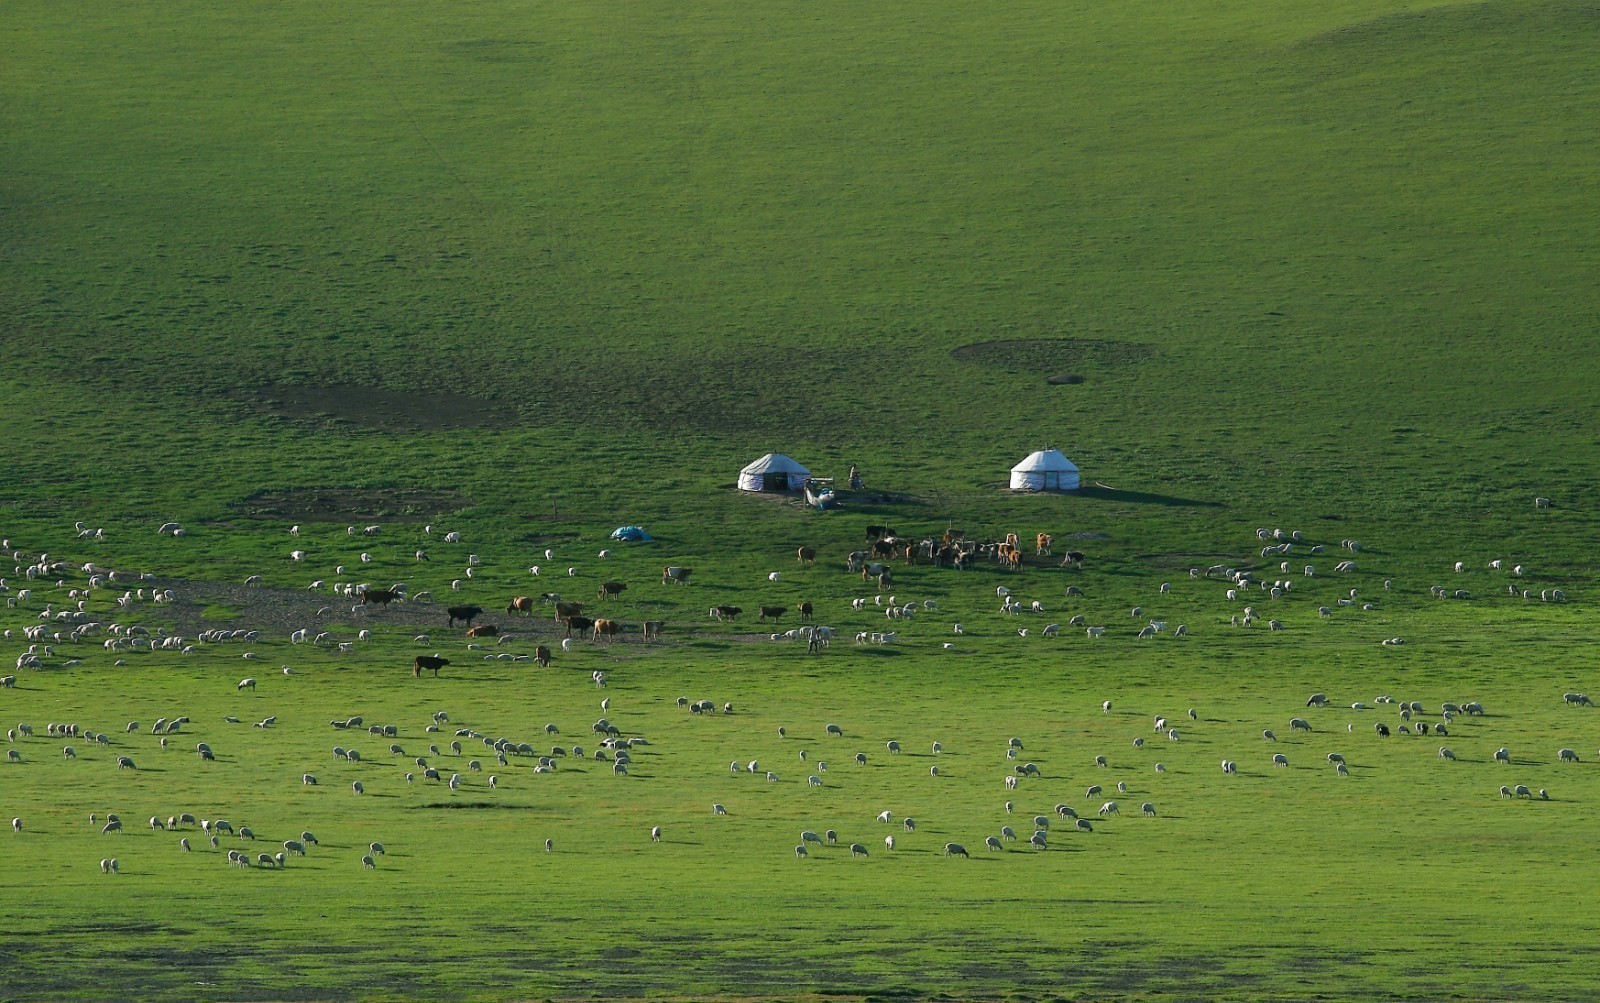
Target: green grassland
531,270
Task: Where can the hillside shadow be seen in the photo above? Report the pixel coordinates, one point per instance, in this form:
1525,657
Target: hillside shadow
1103,493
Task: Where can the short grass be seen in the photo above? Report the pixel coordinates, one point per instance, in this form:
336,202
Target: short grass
531,271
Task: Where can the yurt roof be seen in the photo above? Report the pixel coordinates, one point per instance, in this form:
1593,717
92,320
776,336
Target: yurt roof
1045,459
775,463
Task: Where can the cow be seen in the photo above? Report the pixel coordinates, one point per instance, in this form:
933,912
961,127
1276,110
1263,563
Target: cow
521,604
879,532
466,614
579,624
433,662
884,547
872,568
652,629
382,597
805,610
807,555
853,563
1074,558
1041,546
484,630
678,576
725,612
610,590
568,610
771,612
607,628
541,655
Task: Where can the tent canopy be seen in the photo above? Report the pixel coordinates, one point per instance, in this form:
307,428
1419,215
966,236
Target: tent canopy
1045,470
773,472
631,534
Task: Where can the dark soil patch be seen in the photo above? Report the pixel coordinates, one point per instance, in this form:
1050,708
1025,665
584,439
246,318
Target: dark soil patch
1067,356
377,408
362,504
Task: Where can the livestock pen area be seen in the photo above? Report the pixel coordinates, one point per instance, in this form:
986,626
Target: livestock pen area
978,800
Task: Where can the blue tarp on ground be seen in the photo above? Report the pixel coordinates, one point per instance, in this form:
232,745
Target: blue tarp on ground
632,534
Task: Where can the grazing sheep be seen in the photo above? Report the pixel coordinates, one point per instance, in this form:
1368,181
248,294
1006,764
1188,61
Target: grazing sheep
857,850
1011,783
1334,757
1109,808
834,729
1138,743
893,746
1502,755
1523,792
1279,759
1100,761
1148,809
368,863
655,834
115,825
1382,729
799,851
952,849
1229,766
861,759
1341,769
1567,756
247,683
888,842
1268,735
717,809
1577,699
1093,790
1299,724
125,763
1039,840
1505,792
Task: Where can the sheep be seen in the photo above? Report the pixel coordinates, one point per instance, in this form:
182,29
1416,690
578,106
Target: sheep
1039,840
1148,809
1334,757
1279,759
893,746
834,729
1567,756
1577,700
1100,761
1269,735
655,834
1523,792
799,851
1092,791
1172,735
857,850
125,763
1095,633
953,850
247,683
1109,808
1229,766
1011,783
1445,753
1341,769
1505,792
1502,755
1299,724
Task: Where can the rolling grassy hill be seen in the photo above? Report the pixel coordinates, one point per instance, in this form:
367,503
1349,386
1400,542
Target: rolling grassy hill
530,270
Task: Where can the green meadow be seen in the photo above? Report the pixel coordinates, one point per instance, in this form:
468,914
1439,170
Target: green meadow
528,271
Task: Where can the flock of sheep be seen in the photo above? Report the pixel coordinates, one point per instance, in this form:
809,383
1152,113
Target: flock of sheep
63,591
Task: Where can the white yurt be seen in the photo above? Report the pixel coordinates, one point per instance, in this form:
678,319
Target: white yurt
773,472
1045,470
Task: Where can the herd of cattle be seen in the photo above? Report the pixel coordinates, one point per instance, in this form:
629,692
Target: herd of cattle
872,562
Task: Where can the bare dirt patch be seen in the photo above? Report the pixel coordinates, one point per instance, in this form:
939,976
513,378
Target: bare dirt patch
376,407
1067,358
361,504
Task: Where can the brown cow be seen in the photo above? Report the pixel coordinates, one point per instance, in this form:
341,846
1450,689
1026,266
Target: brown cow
805,610
808,555
608,628
578,623
382,597
677,575
652,629
484,630
1042,545
541,655
433,662
610,590
771,613
568,610
521,604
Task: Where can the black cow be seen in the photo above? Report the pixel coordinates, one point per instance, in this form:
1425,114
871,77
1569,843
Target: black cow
466,614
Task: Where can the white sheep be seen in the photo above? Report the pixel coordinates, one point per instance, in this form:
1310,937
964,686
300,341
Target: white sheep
1279,759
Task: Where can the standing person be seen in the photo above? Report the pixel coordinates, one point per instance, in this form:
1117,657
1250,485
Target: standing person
855,478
